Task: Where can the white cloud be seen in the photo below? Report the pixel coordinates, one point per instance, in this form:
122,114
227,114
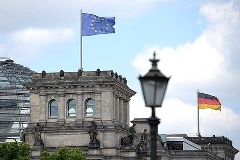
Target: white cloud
201,63
197,61
223,21
40,37
206,58
25,13
138,109
216,121
28,43
27,27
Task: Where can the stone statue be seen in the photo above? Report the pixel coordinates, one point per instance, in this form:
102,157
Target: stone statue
43,74
132,134
94,143
93,132
61,73
142,146
128,141
98,72
80,72
22,136
37,131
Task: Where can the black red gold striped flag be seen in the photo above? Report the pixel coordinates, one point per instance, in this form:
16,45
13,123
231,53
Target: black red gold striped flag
208,101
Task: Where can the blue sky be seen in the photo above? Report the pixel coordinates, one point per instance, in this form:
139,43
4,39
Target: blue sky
197,44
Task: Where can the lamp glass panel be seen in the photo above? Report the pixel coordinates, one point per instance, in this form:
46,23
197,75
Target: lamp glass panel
153,91
160,92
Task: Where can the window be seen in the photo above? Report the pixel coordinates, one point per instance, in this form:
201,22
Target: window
71,108
53,108
89,107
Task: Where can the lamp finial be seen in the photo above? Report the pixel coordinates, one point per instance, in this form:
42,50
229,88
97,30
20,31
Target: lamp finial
154,62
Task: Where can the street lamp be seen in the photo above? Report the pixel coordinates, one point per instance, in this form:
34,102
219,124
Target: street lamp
154,85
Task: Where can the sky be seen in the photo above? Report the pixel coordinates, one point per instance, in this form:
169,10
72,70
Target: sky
197,43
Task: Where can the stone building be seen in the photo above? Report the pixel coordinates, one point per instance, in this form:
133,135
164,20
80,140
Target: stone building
90,110
80,109
220,146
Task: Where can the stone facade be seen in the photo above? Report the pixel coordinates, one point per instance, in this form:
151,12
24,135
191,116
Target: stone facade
90,110
101,97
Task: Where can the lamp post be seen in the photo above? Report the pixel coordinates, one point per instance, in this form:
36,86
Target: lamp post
154,85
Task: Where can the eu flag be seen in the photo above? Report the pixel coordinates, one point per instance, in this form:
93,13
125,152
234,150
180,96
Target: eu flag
92,24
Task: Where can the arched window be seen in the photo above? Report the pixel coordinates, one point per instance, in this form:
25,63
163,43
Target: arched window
89,107
53,108
71,108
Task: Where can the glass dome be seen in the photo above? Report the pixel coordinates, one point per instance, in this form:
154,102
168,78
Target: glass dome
14,99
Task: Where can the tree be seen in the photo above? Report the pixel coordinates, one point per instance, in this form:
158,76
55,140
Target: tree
64,154
14,151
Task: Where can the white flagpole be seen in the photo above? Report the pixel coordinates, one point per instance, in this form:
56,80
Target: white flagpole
81,65
198,132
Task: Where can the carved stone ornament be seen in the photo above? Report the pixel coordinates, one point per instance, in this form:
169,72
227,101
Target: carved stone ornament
142,145
43,74
116,75
124,80
120,78
37,131
94,143
61,73
98,72
112,73
80,71
128,141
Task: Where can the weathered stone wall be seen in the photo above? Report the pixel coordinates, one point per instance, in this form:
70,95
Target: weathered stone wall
34,108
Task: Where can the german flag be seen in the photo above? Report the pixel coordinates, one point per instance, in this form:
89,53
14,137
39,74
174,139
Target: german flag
208,101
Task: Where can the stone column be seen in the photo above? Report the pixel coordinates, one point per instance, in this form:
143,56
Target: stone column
126,112
35,109
61,108
121,112
43,106
114,107
79,108
97,105
84,98
117,108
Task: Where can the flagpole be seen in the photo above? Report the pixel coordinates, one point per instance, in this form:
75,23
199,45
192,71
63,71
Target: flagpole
81,65
198,129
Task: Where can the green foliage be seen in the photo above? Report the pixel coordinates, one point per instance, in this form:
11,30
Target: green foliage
14,151
64,154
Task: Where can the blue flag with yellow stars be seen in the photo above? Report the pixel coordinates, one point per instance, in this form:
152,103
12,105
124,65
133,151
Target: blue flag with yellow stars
92,24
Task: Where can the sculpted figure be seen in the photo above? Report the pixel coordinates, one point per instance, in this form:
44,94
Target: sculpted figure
132,134
93,132
129,139
142,146
37,135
